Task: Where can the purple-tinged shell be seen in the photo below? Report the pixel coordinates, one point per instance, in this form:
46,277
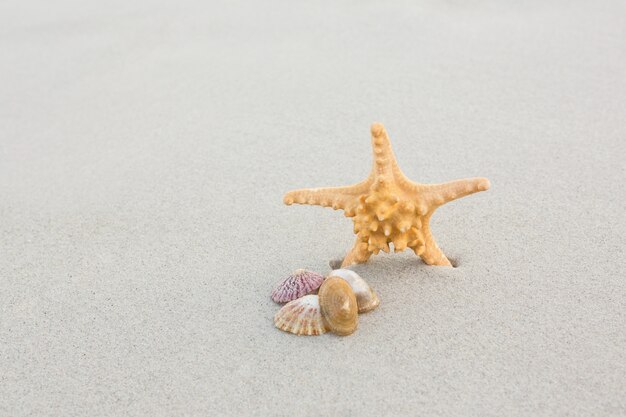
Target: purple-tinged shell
300,283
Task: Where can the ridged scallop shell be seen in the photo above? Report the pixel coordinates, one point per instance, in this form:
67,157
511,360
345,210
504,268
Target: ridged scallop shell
301,317
338,306
301,282
366,297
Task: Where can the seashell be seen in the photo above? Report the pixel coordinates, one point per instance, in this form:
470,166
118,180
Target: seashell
301,317
366,297
338,306
300,282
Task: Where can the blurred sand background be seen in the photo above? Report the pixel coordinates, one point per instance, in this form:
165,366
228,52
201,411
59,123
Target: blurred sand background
145,147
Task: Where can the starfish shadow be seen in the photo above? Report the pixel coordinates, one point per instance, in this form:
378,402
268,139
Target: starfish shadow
408,261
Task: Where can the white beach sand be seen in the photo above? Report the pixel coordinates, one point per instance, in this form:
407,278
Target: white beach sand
144,151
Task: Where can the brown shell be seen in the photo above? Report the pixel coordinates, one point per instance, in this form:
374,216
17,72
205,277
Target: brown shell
339,307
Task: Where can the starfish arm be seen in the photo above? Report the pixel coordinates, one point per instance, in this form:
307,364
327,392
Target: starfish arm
385,165
345,198
430,252
357,255
436,195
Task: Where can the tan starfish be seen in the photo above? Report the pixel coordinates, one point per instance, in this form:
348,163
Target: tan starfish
388,207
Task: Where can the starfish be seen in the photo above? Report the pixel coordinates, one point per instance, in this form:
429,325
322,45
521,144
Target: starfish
387,207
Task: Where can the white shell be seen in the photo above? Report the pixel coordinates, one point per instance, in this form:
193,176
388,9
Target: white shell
302,317
366,298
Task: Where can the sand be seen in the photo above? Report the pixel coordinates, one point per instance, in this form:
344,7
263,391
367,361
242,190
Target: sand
144,151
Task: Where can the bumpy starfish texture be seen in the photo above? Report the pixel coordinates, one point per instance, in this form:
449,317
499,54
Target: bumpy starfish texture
388,207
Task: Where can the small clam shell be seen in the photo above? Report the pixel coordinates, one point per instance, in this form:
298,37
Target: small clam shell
301,317
338,305
366,297
300,282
